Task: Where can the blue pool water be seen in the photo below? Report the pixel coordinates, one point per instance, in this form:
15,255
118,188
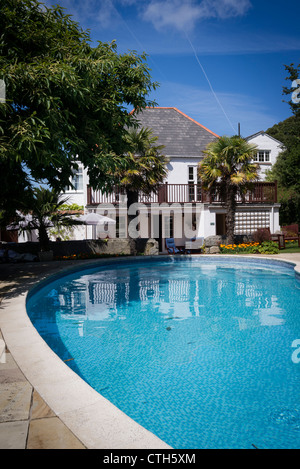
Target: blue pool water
198,351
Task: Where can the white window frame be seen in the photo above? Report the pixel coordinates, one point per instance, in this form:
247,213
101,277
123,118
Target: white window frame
193,170
262,156
77,175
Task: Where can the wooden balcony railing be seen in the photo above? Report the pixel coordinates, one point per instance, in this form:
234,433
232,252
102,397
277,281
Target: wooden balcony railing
262,193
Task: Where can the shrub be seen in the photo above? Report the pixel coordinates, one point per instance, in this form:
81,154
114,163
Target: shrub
290,234
268,247
261,235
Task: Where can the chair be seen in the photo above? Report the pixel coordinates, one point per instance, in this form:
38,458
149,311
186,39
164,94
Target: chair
291,233
276,237
171,248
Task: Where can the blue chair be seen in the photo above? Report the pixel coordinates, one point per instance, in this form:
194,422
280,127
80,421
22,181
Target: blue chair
171,248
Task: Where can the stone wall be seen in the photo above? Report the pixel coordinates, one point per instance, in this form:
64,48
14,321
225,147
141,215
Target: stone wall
99,246
212,243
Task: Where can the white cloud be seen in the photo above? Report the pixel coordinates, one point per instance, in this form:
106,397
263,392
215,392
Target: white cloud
225,8
86,12
183,14
180,14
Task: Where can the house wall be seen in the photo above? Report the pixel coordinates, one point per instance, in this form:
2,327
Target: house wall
178,173
264,142
178,170
78,197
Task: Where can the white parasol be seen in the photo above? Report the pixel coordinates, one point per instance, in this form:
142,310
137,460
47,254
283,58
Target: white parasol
94,219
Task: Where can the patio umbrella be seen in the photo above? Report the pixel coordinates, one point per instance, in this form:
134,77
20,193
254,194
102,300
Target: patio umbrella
94,219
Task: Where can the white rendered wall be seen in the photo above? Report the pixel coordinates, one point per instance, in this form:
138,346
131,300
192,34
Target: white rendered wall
78,197
178,170
264,142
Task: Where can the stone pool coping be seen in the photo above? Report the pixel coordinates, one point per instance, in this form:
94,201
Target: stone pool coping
96,422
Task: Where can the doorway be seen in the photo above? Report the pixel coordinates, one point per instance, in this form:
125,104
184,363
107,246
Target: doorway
220,224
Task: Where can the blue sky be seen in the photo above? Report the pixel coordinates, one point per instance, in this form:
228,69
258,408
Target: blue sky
219,61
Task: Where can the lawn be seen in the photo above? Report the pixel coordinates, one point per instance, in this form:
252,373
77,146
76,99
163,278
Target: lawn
291,247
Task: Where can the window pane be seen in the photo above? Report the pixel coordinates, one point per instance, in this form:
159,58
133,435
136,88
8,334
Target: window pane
261,155
191,173
78,182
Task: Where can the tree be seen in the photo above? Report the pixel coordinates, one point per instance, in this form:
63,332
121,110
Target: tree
43,210
294,90
65,100
227,170
286,170
147,168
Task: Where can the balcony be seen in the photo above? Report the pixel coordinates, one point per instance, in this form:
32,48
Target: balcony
262,193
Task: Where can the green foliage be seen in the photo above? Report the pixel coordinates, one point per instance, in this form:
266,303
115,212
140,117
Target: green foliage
287,167
267,247
44,209
71,207
291,247
147,166
286,170
294,73
63,98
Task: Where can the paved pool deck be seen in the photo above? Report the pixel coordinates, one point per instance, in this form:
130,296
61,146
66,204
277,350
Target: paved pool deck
44,404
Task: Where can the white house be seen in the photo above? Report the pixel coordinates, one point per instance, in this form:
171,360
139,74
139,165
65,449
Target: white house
268,151
181,209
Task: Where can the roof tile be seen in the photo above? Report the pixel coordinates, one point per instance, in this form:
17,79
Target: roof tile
181,135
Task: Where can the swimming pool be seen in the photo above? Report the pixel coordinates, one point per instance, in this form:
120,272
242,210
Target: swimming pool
198,350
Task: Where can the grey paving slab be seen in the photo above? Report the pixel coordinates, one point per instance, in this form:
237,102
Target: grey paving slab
15,400
13,435
51,433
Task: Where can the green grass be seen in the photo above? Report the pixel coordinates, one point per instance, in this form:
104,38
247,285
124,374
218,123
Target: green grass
290,248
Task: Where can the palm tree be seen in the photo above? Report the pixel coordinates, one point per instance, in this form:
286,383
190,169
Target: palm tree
147,166
41,210
145,170
227,170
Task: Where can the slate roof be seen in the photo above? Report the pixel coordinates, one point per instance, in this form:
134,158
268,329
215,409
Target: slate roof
181,135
